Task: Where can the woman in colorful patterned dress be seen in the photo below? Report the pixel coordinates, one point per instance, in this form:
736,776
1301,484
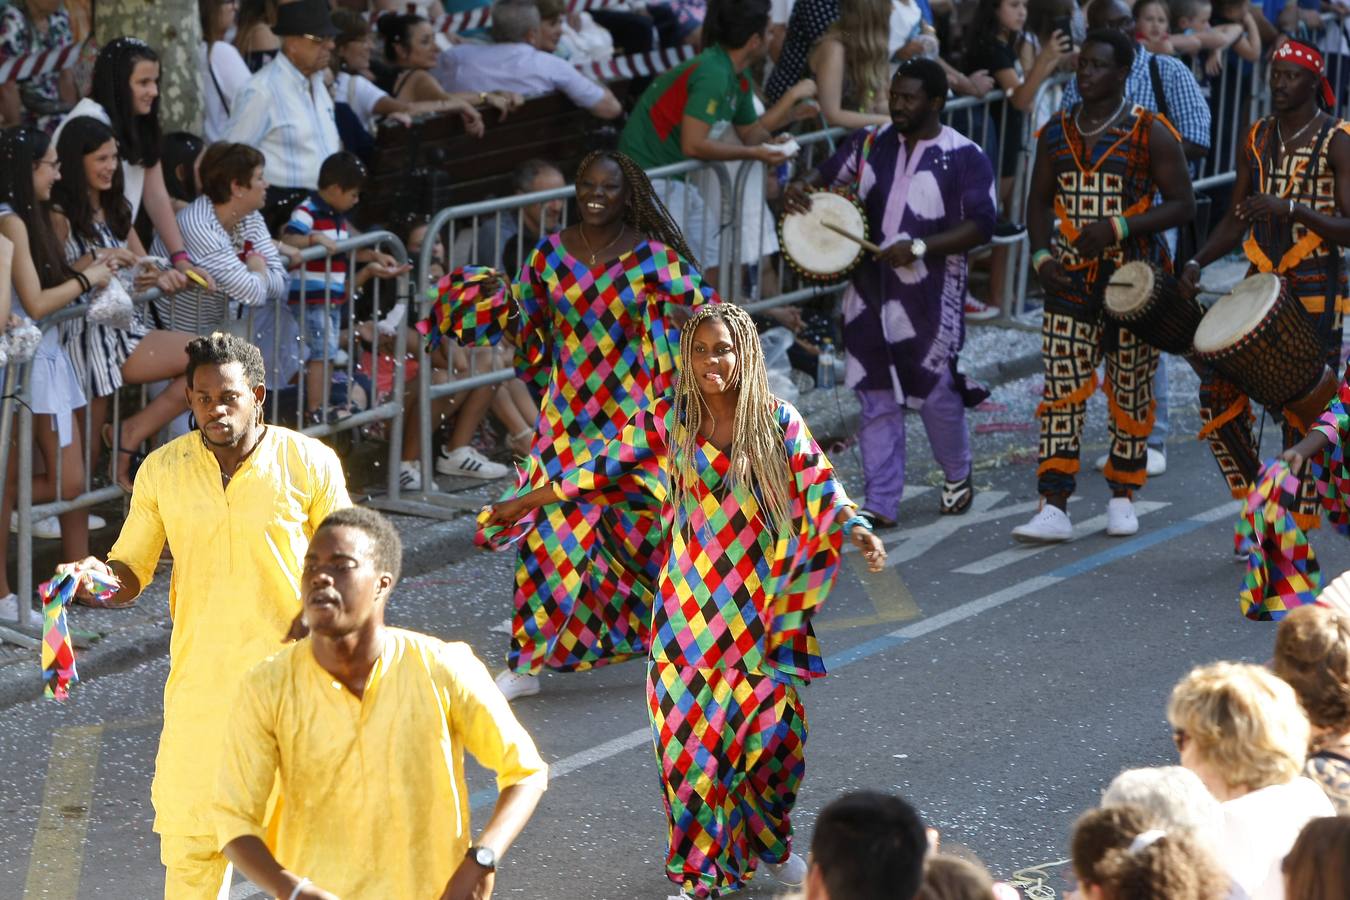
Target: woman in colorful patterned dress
596,336
755,522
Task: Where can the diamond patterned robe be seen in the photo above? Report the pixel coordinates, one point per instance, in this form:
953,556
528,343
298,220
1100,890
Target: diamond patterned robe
732,629
600,343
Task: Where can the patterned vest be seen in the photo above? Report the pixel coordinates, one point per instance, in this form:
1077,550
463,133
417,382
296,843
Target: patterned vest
1305,177
1113,181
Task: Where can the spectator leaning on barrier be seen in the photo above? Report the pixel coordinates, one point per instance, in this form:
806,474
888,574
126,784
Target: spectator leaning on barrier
238,502
850,65
866,846
285,109
674,117
515,63
181,154
30,26
411,52
226,234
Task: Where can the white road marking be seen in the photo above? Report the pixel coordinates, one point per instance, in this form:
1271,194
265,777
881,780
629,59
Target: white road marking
919,540
1081,530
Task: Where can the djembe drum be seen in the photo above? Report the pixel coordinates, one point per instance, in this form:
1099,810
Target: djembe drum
825,243
1259,338
1148,301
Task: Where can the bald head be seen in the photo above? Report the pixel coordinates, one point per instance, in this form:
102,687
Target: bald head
1110,14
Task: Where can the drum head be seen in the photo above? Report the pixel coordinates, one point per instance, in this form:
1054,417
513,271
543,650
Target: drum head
816,249
1234,317
1129,289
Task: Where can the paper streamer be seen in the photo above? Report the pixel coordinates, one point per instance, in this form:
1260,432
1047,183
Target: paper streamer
465,310
482,16
636,65
58,656
42,62
1282,571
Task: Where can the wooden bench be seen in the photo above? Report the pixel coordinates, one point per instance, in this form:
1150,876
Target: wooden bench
434,164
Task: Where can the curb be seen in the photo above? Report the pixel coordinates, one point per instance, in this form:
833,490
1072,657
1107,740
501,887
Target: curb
439,543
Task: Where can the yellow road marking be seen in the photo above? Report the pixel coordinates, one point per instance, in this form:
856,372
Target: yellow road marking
57,857
887,591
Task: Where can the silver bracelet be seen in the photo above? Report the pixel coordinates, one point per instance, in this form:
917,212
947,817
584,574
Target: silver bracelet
300,886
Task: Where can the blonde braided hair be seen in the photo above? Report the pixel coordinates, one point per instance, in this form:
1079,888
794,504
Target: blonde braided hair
759,459
644,210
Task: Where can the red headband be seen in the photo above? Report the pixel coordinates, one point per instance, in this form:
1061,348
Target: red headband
1309,58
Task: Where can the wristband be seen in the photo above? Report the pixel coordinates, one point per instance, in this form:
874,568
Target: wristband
84,282
181,254
1038,259
855,522
1115,228
300,886
1124,226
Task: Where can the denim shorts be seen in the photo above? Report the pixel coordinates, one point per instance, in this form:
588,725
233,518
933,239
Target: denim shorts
320,326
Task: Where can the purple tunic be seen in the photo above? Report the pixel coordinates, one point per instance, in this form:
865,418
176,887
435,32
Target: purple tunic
904,327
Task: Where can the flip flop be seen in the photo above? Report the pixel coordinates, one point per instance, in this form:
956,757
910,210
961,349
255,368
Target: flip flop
956,496
94,603
137,457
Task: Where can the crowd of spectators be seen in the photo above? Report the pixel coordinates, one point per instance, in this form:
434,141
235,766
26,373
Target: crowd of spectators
292,88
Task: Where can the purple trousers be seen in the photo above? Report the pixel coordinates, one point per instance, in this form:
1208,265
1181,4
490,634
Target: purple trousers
881,439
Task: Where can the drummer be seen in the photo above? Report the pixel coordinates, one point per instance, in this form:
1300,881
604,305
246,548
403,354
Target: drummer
1290,203
928,194
1098,167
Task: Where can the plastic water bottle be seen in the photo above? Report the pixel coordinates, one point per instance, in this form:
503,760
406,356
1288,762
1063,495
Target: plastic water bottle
825,365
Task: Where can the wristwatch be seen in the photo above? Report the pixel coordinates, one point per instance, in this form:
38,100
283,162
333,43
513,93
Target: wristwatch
485,857
918,248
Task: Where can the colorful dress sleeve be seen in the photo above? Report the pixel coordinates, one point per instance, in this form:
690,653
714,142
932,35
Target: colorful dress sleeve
673,285
806,562
534,350
630,471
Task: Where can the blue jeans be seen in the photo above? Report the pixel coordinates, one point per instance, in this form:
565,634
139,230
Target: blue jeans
319,324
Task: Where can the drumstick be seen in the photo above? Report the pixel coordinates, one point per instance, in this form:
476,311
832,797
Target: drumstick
863,242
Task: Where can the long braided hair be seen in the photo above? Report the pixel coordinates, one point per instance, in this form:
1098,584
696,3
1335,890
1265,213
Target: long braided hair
759,457
644,210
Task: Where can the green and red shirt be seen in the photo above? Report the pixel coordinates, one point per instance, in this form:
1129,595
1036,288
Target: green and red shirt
706,87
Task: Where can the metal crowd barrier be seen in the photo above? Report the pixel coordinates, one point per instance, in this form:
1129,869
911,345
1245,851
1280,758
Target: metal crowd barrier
273,322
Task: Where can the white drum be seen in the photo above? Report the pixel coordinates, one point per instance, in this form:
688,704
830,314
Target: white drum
814,250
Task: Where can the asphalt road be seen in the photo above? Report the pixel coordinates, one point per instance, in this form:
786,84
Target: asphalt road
997,687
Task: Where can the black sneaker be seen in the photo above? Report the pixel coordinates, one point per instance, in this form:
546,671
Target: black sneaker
1008,233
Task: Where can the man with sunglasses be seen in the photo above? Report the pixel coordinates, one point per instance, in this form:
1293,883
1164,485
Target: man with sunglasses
285,109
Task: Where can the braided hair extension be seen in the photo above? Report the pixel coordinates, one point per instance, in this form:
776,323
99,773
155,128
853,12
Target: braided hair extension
644,210
759,459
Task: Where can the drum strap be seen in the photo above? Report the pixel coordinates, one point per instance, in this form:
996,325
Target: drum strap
1223,418
1071,231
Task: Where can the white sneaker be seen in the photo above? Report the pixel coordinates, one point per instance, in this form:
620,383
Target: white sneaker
466,462
97,522
1049,526
410,475
514,684
1120,518
9,608
791,872
1156,465
1157,462
48,529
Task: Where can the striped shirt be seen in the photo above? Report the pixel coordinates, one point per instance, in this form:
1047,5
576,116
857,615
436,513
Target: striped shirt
290,119
325,276
220,253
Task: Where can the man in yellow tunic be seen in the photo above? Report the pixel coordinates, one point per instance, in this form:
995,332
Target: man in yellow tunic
367,726
237,501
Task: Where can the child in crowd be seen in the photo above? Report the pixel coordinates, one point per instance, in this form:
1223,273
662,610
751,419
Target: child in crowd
319,290
1182,29
1121,853
1234,20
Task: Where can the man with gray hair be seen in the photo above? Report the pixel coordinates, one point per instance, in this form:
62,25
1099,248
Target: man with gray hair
515,63
504,241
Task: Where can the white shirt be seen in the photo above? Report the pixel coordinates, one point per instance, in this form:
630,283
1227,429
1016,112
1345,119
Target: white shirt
361,94
905,15
222,77
1260,828
133,177
779,11
513,67
290,119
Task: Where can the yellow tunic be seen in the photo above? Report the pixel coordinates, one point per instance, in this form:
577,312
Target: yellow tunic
376,804
234,591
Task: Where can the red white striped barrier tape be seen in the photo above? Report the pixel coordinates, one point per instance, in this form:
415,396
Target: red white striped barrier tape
482,17
637,65
43,62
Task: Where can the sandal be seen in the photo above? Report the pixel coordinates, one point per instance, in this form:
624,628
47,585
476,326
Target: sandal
137,457
956,496
521,442
876,521
95,603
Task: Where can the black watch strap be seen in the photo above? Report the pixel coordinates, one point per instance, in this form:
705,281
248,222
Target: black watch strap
484,856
